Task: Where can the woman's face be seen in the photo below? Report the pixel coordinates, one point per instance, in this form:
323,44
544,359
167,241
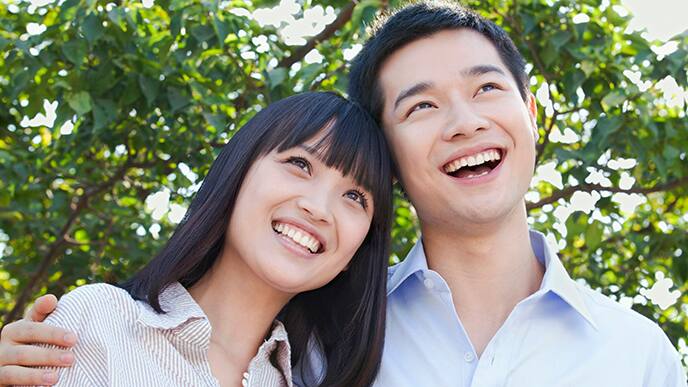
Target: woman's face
297,223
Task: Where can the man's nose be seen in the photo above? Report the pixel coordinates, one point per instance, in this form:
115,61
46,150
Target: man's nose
464,120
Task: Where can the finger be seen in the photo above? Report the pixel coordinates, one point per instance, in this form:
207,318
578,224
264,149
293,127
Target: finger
28,332
31,355
26,376
43,306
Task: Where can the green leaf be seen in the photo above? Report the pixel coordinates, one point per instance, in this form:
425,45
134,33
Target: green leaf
221,29
176,23
560,38
75,51
176,99
277,76
92,28
80,102
217,121
67,9
202,32
19,82
116,16
572,81
613,99
593,235
588,67
104,112
149,88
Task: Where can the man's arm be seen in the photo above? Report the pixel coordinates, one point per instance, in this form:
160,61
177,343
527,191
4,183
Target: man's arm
17,352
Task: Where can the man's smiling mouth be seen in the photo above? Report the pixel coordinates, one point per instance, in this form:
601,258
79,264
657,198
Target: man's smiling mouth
475,165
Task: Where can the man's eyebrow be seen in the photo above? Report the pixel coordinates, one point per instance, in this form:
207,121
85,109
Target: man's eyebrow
411,91
479,70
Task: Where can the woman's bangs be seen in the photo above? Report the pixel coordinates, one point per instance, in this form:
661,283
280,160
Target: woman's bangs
348,138
354,148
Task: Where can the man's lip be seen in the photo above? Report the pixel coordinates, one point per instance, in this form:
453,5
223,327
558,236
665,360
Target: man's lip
305,227
472,151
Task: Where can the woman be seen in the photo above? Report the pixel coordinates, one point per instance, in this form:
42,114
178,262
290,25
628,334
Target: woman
290,230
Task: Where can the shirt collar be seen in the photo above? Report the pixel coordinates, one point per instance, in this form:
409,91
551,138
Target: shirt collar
555,280
276,351
415,262
178,304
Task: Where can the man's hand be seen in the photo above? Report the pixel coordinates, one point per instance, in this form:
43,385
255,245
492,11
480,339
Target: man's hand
17,353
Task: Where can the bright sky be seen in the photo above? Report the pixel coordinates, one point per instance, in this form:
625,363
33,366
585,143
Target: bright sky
663,19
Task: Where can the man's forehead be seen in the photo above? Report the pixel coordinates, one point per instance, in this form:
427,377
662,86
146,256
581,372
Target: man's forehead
459,51
433,60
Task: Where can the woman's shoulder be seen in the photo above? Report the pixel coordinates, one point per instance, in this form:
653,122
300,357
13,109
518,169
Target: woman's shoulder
89,303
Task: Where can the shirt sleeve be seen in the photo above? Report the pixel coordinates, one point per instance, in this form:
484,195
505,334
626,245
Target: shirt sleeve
75,312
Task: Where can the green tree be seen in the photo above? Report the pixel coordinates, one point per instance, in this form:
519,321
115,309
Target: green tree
146,93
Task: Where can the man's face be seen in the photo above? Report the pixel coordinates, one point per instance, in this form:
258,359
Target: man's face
461,134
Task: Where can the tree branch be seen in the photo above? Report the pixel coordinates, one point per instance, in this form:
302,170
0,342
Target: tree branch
568,191
343,17
513,23
56,247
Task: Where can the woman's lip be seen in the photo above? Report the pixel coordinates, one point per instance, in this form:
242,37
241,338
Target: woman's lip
294,247
305,227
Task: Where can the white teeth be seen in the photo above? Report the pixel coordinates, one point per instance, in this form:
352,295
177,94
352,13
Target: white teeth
299,236
469,161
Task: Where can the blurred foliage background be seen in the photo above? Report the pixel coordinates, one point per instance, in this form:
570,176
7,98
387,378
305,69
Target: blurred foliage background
113,111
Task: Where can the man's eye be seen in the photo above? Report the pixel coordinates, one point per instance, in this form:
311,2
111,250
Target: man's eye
301,163
357,196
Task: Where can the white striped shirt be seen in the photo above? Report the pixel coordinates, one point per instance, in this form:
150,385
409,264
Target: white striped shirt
124,342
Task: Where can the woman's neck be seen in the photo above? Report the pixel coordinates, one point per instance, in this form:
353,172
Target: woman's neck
241,309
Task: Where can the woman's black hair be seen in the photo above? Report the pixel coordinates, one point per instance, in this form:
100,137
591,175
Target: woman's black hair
344,320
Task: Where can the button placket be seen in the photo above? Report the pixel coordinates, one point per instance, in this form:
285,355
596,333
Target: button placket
468,357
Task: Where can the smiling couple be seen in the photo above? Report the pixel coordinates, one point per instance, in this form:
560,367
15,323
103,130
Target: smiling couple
479,301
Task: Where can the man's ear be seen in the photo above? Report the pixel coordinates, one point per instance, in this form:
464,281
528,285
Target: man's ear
531,104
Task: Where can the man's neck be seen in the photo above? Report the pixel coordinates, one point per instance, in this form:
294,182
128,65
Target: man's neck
489,268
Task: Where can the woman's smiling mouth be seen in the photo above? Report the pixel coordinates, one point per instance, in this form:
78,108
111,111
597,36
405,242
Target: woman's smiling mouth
298,236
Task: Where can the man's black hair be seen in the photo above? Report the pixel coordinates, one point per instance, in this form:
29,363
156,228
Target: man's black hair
418,21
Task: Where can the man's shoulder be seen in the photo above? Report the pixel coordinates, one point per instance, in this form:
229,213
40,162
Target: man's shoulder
615,319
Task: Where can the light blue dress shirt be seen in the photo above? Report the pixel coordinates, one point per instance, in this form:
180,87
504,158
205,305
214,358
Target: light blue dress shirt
562,335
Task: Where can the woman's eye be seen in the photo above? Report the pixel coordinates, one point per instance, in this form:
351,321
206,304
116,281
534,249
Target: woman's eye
358,197
420,106
300,163
487,87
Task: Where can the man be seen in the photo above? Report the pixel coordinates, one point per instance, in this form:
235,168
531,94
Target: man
480,300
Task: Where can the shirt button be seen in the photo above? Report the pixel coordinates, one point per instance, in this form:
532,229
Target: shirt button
468,357
428,283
